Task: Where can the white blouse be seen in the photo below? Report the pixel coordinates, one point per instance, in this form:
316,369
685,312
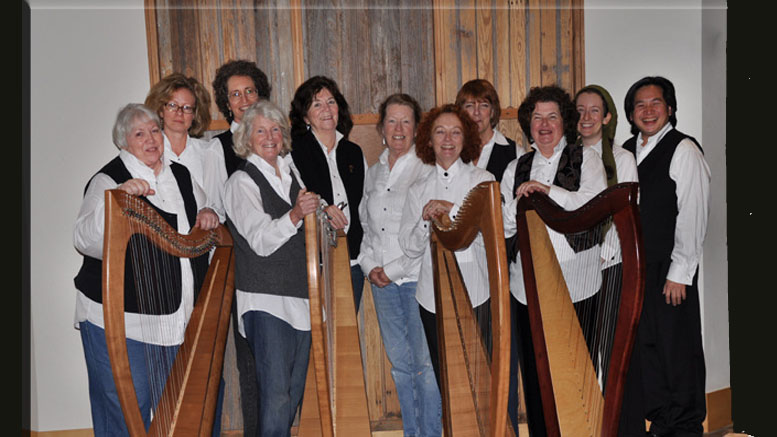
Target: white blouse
452,185
164,330
580,269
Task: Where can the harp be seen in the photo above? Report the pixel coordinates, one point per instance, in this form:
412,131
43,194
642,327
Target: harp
187,403
581,384
335,400
474,382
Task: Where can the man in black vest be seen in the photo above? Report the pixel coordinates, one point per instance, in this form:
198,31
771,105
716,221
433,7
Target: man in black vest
674,205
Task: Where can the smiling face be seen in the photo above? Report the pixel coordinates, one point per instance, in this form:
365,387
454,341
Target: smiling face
592,118
323,111
480,111
242,93
447,139
177,120
266,139
547,126
144,141
398,128
651,113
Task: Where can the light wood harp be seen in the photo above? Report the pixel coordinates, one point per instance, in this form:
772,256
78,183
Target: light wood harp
188,401
474,384
335,400
581,386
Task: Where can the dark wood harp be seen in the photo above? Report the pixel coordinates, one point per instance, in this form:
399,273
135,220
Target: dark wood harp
188,402
474,385
335,401
574,402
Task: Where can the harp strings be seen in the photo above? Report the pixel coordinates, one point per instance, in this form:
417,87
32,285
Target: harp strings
164,288
596,314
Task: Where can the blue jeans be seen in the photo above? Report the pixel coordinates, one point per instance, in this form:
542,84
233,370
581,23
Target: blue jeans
281,355
411,365
107,417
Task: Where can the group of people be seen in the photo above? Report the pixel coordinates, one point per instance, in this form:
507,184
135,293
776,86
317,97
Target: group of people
271,168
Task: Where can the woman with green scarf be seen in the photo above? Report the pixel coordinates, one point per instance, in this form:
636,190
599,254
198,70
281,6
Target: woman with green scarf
598,120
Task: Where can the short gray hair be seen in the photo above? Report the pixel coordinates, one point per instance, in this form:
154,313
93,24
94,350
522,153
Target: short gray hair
268,110
127,117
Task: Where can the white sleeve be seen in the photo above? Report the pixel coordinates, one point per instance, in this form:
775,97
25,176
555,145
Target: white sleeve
509,202
90,223
691,174
593,180
414,230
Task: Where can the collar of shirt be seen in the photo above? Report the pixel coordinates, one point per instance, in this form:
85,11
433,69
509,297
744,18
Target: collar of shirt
266,168
597,148
556,150
401,161
233,126
332,154
485,152
169,155
140,170
447,176
643,151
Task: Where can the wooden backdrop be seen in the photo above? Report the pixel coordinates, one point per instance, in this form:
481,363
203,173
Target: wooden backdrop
373,48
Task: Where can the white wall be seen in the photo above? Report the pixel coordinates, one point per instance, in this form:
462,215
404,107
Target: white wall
84,65
87,62
626,40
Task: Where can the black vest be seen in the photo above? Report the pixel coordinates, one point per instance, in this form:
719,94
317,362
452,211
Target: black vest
284,272
89,277
567,177
500,156
231,161
314,170
658,195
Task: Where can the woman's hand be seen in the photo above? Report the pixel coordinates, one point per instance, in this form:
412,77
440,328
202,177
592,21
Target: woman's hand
306,202
207,219
529,187
336,217
137,187
378,277
436,208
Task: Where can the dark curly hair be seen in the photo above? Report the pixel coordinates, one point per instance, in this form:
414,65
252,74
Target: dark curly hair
423,145
667,89
481,89
239,67
160,94
549,93
303,98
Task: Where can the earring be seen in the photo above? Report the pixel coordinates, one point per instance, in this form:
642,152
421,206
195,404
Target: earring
230,114
384,141
307,126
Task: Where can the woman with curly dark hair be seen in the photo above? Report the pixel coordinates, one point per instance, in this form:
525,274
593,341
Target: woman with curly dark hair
238,85
330,165
447,141
571,176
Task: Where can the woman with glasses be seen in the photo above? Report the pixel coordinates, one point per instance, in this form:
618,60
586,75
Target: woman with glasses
238,85
329,164
183,106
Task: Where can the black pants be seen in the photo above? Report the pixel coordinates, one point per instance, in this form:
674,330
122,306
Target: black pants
670,359
522,354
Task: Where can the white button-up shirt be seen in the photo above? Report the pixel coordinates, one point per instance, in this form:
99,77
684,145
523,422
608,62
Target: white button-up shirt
165,330
691,174
243,204
380,212
580,269
205,161
626,170
452,185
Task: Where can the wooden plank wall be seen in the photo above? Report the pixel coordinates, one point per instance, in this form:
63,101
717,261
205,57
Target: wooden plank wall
373,48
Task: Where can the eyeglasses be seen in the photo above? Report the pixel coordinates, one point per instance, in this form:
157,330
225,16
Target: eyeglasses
249,93
174,107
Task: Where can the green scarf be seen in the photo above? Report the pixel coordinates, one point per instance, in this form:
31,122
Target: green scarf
608,134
